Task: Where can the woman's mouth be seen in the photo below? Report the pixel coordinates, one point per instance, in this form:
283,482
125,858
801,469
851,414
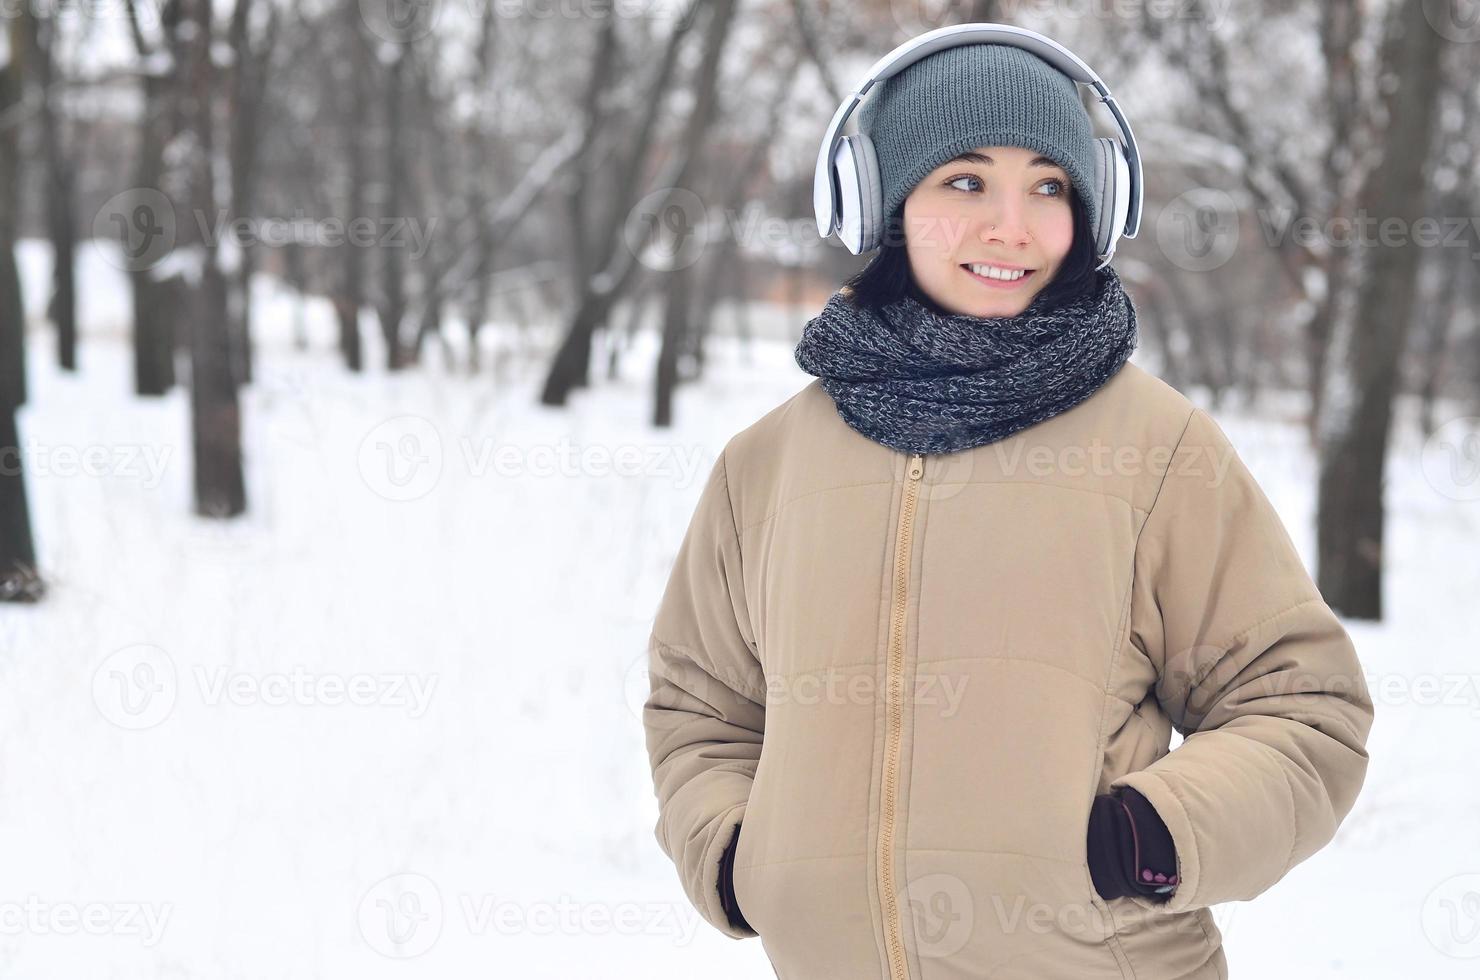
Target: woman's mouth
998,276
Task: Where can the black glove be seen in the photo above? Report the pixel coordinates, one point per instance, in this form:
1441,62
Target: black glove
1129,847
727,884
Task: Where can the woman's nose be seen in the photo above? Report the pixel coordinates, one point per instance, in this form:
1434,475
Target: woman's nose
1003,221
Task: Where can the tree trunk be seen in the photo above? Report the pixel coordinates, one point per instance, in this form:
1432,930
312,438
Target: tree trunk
679,327
1354,436
19,581
1339,33
215,419
12,308
349,294
298,279
247,97
676,324
154,328
215,412
392,306
60,220
571,366
478,198
153,306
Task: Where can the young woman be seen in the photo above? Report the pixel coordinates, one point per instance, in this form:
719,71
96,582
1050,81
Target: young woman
936,615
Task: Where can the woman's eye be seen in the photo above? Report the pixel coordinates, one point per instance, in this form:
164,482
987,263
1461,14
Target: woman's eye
1059,187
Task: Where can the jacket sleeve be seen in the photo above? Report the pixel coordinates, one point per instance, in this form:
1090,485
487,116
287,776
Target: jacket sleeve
705,715
1255,672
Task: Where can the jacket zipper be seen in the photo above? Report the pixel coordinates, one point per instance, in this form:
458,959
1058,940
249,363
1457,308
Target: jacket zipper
894,707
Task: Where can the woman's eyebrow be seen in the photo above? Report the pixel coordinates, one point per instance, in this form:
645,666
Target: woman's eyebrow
971,156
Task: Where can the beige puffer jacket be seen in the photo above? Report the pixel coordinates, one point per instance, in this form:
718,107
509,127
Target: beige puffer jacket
909,676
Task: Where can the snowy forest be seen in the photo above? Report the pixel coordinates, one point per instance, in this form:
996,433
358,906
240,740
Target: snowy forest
361,362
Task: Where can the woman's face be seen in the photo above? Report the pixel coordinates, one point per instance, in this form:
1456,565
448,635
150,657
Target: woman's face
1004,208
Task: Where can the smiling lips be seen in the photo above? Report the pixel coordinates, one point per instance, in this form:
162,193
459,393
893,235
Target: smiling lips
997,276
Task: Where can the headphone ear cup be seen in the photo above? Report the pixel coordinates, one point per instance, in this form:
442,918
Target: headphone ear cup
860,223
870,192
1113,182
1104,229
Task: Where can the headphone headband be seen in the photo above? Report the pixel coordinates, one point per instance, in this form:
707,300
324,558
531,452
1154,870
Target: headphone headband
824,183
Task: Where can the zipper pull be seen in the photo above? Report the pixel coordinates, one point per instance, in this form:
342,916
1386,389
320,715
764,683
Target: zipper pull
917,465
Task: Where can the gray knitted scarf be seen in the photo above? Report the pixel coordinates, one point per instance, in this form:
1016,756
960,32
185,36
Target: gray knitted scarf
921,379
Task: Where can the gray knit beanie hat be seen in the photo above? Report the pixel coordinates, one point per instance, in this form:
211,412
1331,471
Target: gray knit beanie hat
977,95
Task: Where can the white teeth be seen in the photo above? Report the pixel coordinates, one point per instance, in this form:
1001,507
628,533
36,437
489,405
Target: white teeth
993,272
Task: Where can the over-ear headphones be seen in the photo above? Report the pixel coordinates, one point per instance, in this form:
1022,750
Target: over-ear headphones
847,193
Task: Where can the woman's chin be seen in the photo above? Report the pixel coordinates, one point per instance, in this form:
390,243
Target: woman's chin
1004,307
978,302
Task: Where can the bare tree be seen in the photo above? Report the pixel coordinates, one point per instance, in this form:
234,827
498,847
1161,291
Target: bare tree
485,244
1354,436
154,304
19,580
803,14
215,422
723,264
391,304
1268,169
251,52
603,272
679,314
1451,279
43,32
349,289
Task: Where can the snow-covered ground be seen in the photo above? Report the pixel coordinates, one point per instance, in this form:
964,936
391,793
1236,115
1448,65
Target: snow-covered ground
388,724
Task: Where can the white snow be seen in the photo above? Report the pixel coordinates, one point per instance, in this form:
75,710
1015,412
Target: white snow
407,683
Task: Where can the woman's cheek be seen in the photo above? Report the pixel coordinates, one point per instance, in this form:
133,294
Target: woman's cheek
1056,233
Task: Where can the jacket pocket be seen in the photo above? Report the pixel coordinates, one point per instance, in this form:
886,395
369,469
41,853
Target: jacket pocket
1103,913
749,850
740,871
747,876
